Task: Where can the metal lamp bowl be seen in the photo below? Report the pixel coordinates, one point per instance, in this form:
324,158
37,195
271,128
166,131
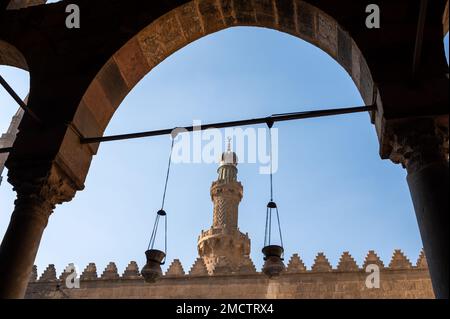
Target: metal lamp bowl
273,251
273,265
152,270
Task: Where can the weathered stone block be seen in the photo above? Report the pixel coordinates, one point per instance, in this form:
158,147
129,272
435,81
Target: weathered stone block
190,21
245,12
132,63
356,65
211,15
171,33
286,17
367,85
345,50
265,13
228,12
327,34
99,104
306,20
152,46
113,83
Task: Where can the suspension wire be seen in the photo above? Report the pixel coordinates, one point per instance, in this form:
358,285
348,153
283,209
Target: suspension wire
162,213
269,209
165,241
279,228
268,233
153,236
167,174
266,243
270,124
270,226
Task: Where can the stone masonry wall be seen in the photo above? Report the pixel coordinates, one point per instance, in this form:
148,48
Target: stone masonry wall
399,280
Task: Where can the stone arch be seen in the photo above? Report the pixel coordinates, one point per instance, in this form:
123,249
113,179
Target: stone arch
199,18
20,4
11,56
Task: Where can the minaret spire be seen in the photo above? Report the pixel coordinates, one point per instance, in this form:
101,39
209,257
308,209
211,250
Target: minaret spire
227,170
224,240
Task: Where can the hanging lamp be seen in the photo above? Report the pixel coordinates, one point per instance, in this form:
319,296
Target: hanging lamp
155,257
273,253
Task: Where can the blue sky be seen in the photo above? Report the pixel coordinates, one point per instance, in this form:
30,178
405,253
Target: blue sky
334,192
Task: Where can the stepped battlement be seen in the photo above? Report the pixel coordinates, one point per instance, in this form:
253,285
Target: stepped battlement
295,265
399,279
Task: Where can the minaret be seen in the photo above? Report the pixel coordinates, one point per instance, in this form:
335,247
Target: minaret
224,244
7,139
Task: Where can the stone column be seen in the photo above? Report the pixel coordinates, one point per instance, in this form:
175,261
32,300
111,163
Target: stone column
421,146
38,191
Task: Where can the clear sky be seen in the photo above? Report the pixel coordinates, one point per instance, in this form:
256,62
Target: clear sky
334,192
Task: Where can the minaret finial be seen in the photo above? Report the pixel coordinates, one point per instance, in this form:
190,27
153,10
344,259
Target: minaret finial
229,144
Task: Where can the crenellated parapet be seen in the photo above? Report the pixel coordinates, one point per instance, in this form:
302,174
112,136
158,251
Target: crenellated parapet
175,269
199,268
400,261
110,272
34,274
247,266
347,264
49,275
422,261
295,265
400,279
373,259
90,272
321,264
132,271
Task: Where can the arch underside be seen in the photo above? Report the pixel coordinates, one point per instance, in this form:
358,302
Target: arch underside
200,18
11,56
19,4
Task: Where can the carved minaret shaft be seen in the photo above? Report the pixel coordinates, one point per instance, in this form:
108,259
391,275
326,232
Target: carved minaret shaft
7,139
224,246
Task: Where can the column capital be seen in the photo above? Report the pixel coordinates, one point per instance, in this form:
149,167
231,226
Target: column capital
40,186
417,142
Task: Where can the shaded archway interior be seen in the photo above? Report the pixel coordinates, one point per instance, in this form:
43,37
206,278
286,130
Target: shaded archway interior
100,75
